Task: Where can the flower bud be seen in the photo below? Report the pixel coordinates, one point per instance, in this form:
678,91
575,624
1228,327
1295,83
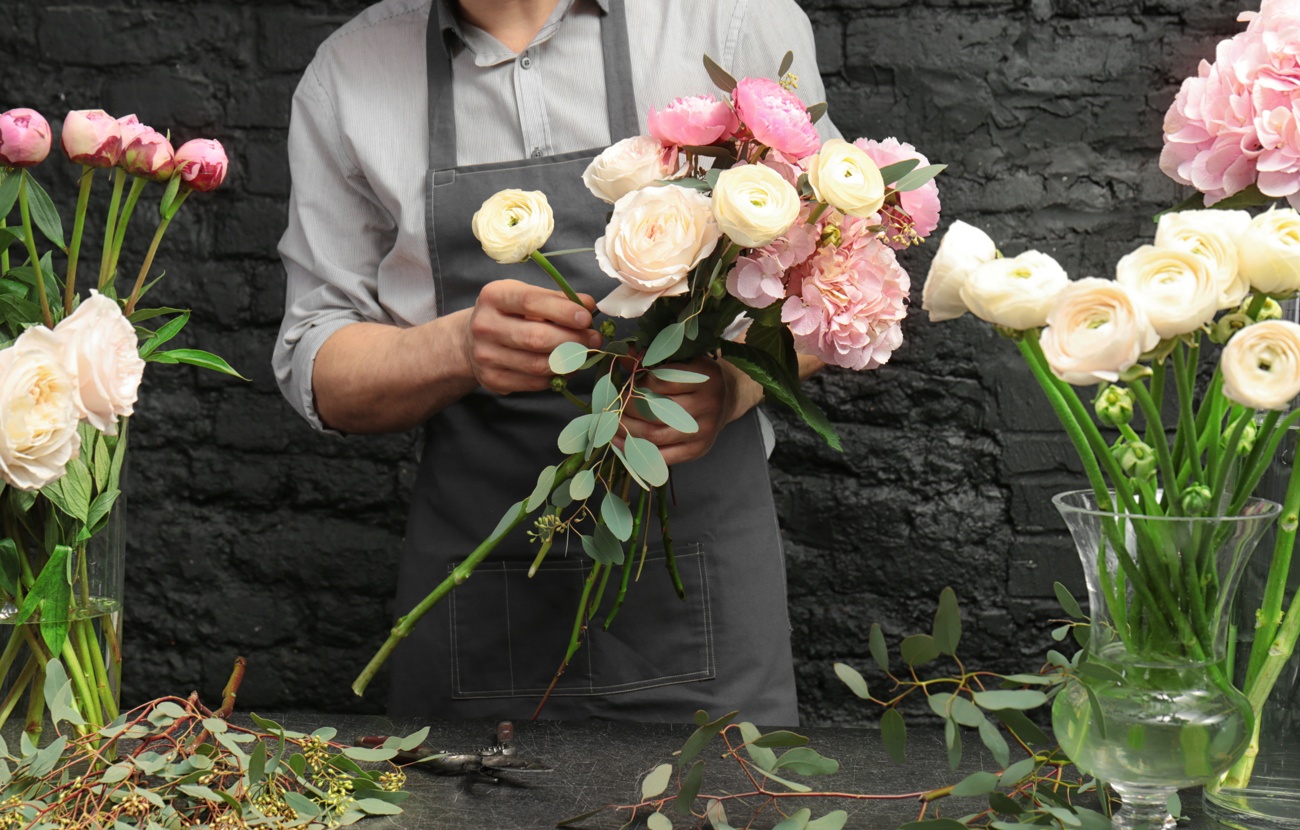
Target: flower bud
1247,440
558,383
24,138
1114,406
1136,459
1272,310
1228,325
830,237
202,164
92,137
1196,500
607,329
149,155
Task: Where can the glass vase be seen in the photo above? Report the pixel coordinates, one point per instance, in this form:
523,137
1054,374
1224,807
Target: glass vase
81,626
1263,789
1152,709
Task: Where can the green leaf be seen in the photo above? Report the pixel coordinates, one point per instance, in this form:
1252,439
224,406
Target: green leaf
582,485
164,333
567,357
100,507
142,314
656,782
795,786
977,783
893,731
879,651
690,789
1010,699
101,462
767,372
362,753
51,594
377,807
627,466
616,515
965,712
953,737
665,344
603,546
947,623
604,394
1098,718
786,63
893,172
299,803
919,649
919,178
507,519
1100,672
573,438
1032,679
996,744
804,760
779,738
1016,773
720,77
10,566
853,679
197,357
1022,727
701,737
117,772
168,197
658,821
761,756
934,824
670,412
9,184
717,815
816,111
44,215
1002,803
1067,600
668,375
257,763
645,459
798,820
545,481
834,820
604,427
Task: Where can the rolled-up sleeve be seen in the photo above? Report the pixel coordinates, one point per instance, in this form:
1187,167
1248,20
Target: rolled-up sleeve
338,234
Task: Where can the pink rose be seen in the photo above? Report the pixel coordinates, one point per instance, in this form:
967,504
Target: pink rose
202,163
697,120
92,137
24,138
149,155
920,208
775,116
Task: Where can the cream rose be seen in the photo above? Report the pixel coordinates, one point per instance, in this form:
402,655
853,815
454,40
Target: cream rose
1096,330
754,204
1014,293
38,411
1261,365
845,177
628,165
1269,252
963,249
654,238
102,350
1176,287
512,224
1212,235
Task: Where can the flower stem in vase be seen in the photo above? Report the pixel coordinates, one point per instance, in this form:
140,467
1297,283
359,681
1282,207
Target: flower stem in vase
36,707
78,225
30,237
153,249
119,237
110,226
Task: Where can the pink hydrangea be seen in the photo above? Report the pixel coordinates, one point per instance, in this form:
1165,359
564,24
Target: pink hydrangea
919,214
696,120
847,302
758,280
775,116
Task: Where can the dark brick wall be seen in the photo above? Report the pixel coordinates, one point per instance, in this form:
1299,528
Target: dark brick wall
251,535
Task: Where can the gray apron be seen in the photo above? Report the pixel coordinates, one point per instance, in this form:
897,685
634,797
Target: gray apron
491,649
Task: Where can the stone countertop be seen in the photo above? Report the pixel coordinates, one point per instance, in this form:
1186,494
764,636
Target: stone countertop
599,763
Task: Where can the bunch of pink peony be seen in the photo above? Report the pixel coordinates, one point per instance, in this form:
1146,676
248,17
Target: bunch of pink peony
1235,124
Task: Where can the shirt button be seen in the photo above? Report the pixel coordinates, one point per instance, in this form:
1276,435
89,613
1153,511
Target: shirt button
526,62
537,152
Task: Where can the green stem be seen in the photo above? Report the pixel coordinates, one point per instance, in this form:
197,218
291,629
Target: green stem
1156,438
817,212
20,684
600,593
402,629
36,705
1269,617
153,249
1257,690
670,555
1156,396
110,226
540,259
89,702
627,560
30,238
86,630
78,226
119,236
1185,424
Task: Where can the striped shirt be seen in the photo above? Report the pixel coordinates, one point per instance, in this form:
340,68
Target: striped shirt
355,247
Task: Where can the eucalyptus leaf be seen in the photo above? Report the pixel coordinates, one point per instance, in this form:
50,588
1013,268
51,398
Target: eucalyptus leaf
299,803
604,394
1100,672
690,789
1068,603
947,623
786,63
934,824
762,756
853,679
1022,727
804,760
919,649
891,173
1002,803
545,482
794,786
512,512
977,783
1010,699
656,782
658,821
567,357
721,78
604,426
670,412
377,807
645,460
701,737
665,344
361,753
919,178
995,743
893,731
798,820
670,375
616,515
603,546
816,111
954,745
879,651
834,820
582,485
1017,772
574,437
965,712
780,738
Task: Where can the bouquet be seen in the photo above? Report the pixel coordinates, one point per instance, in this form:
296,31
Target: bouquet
70,368
735,233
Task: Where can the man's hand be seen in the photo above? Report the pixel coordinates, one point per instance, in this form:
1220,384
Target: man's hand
724,397
512,329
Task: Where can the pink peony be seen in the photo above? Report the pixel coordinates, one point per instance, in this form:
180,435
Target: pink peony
696,120
130,127
847,302
92,137
149,155
202,164
920,208
775,116
24,138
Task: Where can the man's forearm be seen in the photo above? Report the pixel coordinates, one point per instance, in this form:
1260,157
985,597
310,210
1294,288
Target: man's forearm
370,377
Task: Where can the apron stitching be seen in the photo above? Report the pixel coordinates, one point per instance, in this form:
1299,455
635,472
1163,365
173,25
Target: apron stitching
510,648
708,615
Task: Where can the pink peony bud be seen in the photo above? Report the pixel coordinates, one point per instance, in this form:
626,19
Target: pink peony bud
697,120
201,163
24,138
131,127
149,155
92,137
775,116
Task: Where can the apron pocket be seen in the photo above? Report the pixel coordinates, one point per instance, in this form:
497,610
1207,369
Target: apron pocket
509,633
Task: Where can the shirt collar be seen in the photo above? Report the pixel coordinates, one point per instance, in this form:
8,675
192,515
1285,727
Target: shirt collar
487,50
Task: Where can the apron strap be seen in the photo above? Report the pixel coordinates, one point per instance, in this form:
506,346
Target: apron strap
620,100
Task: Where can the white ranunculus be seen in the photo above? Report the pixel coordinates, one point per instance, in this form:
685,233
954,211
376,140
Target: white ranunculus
1269,252
1212,235
1096,330
1261,365
754,204
654,238
628,165
963,249
844,177
1015,293
512,224
1177,289
102,350
38,411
